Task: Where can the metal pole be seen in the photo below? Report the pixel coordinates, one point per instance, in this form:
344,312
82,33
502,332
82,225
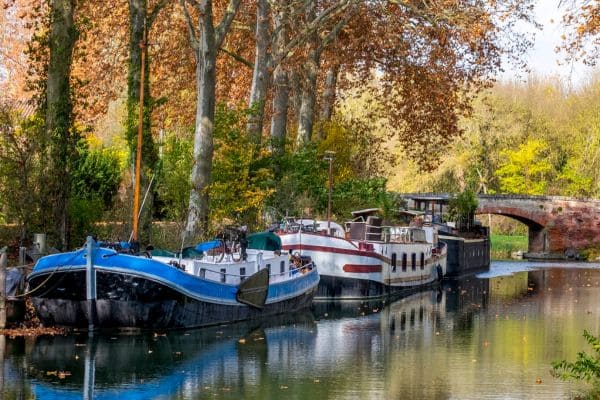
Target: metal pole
90,284
329,157
138,154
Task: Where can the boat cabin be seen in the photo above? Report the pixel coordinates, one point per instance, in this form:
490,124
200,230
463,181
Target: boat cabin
368,226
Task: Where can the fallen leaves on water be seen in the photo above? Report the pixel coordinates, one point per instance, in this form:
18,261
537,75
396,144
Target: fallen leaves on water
242,341
59,374
38,331
283,387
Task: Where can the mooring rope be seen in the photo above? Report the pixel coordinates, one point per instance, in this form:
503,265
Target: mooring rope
51,274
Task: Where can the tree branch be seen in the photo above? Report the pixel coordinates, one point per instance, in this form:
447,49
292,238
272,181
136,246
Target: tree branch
223,28
330,12
237,57
154,13
190,23
336,30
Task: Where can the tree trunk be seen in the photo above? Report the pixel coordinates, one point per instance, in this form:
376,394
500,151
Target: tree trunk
328,99
203,138
280,110
62,37
261,78
308,99
138,21
296,92
309,86
282,90
206,47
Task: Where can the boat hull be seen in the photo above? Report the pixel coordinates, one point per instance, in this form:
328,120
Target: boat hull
467,256
342,288
349,271
134,298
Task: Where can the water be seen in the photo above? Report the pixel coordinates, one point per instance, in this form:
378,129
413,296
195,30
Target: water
487,337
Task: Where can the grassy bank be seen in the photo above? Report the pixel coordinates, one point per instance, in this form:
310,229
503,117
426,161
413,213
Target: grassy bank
504,245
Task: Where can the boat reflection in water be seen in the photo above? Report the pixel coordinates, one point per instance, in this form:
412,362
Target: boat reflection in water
160,365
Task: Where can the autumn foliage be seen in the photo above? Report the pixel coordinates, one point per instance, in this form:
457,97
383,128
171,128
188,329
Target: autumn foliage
424,62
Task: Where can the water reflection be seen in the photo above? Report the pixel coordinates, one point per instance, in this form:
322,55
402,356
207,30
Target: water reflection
491,337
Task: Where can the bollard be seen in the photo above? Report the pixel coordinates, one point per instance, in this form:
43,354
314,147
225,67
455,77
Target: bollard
39,239
3,265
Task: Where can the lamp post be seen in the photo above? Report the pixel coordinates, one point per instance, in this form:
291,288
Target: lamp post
329,157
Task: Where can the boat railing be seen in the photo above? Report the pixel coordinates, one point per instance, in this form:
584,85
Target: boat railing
223,276
369,230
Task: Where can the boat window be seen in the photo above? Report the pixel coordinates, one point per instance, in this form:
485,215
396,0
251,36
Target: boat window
223,276
268,266
413,260
404,262
282,267
243,271
422,260
393,262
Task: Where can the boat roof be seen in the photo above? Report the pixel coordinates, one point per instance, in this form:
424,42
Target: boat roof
430,197
412,213
365,212
264,241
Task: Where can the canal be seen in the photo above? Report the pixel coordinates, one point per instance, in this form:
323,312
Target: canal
491,336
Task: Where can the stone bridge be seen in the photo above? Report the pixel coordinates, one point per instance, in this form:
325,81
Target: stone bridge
558,226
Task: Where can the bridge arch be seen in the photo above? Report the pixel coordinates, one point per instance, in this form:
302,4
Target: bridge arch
558,226
537,233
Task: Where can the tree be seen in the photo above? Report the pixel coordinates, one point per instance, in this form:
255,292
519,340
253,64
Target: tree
310,69
526,170
20,162
14,20
582,41
206,42
431,59
58,110
141,20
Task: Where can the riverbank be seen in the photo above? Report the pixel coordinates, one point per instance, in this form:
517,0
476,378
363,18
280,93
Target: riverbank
502,246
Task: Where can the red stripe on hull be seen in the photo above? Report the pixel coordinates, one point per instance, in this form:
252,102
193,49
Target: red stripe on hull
336,250
361,268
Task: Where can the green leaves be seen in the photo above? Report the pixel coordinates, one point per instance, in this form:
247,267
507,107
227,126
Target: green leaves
586,367
527,169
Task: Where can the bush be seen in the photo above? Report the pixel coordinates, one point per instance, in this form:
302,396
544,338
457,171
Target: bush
585,368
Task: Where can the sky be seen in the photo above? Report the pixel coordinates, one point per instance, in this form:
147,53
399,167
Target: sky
542,59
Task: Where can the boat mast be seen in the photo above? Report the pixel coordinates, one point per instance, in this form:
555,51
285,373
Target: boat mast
138,153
